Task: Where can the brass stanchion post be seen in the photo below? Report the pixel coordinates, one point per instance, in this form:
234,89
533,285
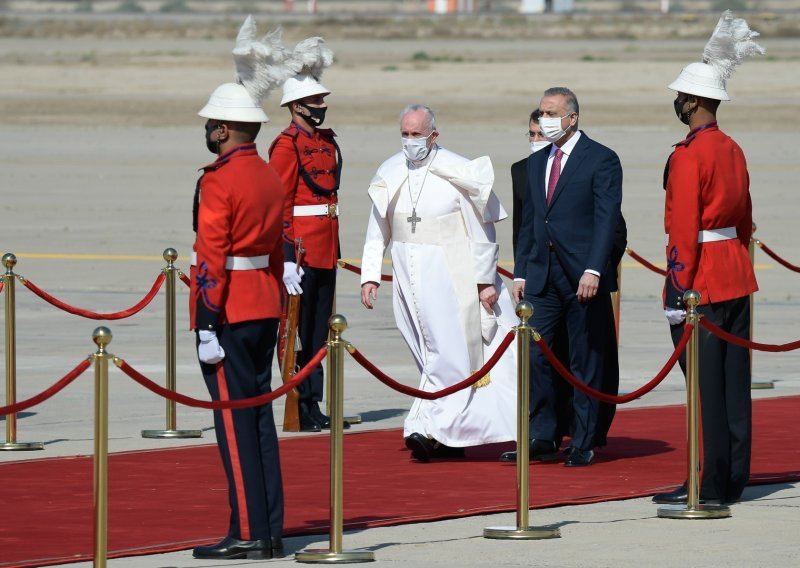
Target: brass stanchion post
171,431
693,509
353,418
11,444
522,531
755,385
102,337
335,555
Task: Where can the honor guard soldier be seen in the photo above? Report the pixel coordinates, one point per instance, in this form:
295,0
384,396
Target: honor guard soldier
235,303
708,224
309,163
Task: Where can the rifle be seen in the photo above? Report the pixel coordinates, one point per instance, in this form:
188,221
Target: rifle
289,346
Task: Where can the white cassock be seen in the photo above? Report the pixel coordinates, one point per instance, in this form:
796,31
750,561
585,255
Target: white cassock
437,266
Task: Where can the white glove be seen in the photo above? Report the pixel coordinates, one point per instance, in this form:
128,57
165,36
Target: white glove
209,351
291,277
674,317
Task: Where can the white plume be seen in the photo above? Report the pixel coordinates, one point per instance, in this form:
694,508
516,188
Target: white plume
260,64
730,43
310,57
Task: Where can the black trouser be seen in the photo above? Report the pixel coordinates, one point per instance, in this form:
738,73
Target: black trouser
316,307
247,439
724,399
610,381
584,321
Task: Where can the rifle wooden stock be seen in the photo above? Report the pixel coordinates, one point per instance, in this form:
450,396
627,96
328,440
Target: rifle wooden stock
291,413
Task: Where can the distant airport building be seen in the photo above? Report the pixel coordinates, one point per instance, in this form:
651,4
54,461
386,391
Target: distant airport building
451,6
541,6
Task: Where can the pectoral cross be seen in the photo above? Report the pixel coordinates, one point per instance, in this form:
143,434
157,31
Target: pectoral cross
413,220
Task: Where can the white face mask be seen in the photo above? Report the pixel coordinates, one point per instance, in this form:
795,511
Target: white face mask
537,145
551,127
416,149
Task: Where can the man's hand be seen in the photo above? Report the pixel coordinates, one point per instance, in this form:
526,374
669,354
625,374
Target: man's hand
292,274
518,291
369,293
209,351
487,294
674,317
587,287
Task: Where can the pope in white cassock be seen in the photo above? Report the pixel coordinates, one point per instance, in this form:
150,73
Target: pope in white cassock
435,210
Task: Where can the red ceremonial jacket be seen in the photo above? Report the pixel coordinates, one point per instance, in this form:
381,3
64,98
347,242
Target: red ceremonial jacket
707,187
240,214
309,165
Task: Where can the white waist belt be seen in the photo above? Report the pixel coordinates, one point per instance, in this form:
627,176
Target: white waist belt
712,235
241,262
329,210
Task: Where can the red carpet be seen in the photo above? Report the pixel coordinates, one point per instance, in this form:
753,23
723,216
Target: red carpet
173,499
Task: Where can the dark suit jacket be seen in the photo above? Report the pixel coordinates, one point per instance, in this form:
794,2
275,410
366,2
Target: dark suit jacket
581,220
560,346
519,188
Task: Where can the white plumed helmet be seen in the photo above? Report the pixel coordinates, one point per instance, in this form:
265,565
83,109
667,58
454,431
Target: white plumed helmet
300,87
702,80
231,101
731,42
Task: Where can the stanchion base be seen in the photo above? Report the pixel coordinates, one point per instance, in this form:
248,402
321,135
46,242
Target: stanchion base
325,556
172,433
355,419
21,446
758,385
701,512
516,533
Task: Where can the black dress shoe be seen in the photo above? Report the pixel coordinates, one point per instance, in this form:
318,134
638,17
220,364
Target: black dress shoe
308,424
579,458
276,547
318,416
323,420
421,447
538,450
231,548
678,496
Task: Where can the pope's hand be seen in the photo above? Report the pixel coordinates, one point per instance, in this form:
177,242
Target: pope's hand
674,317
209,350
369,293
487,294
292,274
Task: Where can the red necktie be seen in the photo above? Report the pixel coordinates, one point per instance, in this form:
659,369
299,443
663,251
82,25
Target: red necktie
555,173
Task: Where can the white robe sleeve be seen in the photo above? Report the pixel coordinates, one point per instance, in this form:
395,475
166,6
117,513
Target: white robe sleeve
482,237
378,235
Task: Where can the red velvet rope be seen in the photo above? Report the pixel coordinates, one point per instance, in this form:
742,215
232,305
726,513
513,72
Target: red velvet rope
2,283
504,272
777,258
184,279
94,315
357,270
259,400
42,396
468,382
645,263
722,334
611,399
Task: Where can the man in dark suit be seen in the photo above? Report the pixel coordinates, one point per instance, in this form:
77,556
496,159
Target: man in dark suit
564,267
560,346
